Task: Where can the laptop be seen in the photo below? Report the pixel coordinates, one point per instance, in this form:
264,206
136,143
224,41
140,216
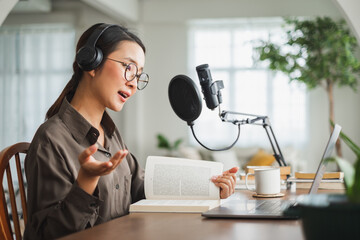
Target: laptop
272,208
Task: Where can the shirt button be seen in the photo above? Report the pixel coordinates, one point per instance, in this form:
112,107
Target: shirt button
108,155
117,186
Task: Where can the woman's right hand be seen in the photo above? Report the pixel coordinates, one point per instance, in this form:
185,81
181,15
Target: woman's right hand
91,169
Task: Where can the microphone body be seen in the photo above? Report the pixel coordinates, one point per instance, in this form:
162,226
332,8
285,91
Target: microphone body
205,79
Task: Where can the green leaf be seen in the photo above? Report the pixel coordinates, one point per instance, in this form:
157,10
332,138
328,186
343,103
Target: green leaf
350,144
355,191
347,168
163,142
355,148
177,143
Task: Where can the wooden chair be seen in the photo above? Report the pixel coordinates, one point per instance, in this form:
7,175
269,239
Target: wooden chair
12,152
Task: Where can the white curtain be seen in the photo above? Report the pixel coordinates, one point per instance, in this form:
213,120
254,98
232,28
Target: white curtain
35,64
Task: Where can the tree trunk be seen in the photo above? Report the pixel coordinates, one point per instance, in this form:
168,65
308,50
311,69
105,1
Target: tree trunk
330,92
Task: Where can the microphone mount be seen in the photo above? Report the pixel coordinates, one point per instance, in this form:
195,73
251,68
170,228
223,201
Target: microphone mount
215,89
256,120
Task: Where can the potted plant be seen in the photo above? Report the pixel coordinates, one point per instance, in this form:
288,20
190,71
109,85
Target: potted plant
317,52
326,216
171,148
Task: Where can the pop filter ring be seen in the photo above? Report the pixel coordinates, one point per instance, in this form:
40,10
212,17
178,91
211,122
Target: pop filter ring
185,98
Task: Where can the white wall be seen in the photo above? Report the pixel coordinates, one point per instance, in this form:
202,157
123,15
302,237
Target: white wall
350,10
181,11
165,35
118,9
6,6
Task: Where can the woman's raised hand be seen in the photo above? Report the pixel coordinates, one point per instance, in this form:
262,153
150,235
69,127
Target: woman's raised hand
91,169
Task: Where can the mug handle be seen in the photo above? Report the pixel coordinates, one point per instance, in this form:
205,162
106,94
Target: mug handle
246,182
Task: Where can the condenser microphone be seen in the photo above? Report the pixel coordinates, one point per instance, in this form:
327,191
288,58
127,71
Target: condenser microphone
185,98
209,89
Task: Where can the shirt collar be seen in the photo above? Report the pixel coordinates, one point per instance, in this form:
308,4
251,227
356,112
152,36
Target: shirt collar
79,127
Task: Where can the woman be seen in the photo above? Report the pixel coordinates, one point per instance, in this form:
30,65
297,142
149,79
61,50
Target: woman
78,169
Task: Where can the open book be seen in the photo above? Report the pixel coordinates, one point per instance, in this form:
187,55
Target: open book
179,185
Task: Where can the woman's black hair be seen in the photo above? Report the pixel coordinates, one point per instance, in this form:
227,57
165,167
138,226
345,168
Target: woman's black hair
107,43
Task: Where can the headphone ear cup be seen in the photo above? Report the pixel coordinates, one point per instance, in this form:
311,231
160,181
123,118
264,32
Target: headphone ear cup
98,59
89,58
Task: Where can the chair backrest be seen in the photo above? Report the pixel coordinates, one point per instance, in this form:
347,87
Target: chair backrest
12,153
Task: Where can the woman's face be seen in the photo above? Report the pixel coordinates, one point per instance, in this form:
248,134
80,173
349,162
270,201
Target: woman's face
109,84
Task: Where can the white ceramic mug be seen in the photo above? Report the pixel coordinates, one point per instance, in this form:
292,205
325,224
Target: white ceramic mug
267,181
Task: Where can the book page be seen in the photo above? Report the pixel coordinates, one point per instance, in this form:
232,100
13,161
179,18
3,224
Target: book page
178,178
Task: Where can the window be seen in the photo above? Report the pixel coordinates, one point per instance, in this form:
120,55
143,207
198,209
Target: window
228,48
35,64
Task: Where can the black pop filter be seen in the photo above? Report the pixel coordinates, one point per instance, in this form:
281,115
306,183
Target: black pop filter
185,98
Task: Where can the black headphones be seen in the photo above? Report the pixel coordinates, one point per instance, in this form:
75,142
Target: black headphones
89,56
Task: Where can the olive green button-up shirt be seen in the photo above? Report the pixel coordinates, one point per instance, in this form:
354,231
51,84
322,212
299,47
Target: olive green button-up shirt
57,206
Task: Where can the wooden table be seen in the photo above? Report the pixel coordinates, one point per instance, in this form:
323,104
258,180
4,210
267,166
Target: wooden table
186,226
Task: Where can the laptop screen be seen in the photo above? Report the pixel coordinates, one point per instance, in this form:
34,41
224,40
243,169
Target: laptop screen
328,151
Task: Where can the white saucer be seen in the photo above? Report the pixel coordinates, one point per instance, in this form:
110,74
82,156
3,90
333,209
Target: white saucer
269,195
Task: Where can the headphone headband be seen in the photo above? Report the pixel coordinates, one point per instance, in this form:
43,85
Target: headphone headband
95,35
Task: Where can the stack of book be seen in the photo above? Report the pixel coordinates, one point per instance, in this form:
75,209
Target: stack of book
330,180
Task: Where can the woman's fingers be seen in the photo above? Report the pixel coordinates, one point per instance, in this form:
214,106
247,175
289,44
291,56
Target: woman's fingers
232,176
229,180
224,190
118,157
94,167
226,182
115,161
231,170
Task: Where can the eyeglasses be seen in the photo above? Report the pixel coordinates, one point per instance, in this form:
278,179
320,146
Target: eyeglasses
131,72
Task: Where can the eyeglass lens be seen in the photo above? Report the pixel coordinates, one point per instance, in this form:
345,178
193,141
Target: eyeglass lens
142,81
131,73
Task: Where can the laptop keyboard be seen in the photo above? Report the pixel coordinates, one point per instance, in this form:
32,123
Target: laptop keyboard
271,206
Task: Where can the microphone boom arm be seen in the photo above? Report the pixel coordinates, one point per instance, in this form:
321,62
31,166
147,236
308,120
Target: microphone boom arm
257,120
